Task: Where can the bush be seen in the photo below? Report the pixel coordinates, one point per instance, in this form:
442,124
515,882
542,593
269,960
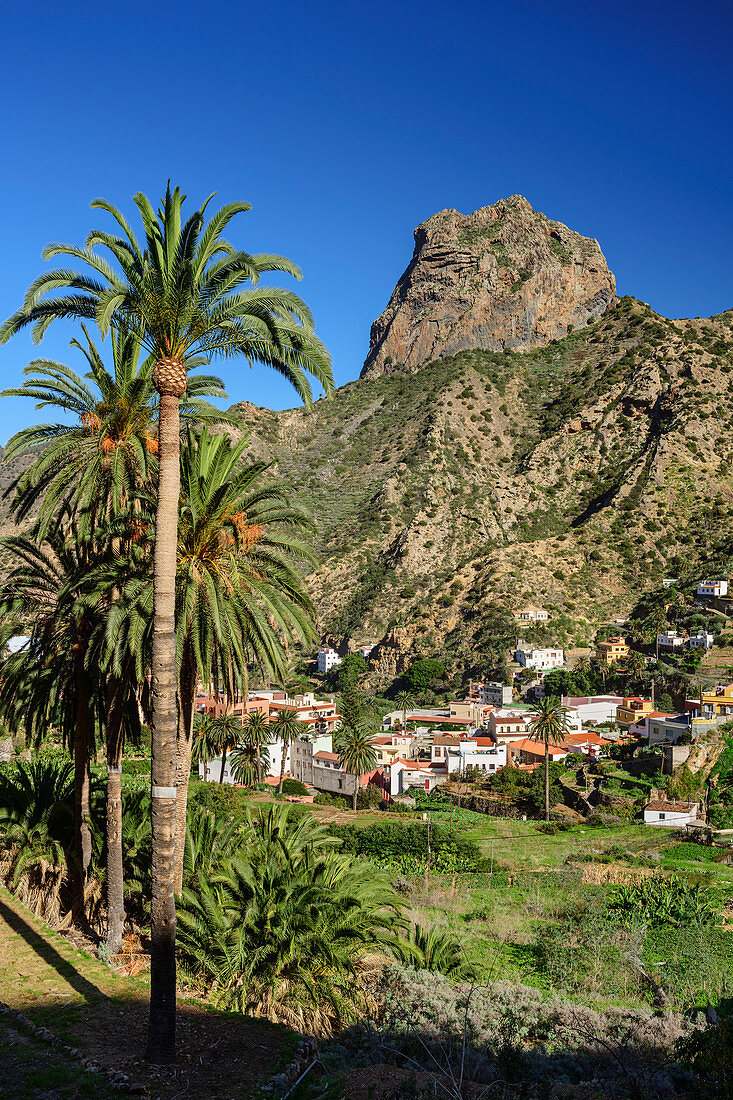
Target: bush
338,801
405,846
369,797
292,786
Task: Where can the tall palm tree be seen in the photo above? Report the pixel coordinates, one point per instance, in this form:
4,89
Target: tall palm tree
48,682
95,464
239,593
286,728
185,295
405,701
256,734
357,754
549,725
202,746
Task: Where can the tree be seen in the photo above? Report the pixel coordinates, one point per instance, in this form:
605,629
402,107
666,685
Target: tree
405,701
256,736
184,294
202,742
248,761
239,593
226,733
96,466
48,681
356,751
282,926
549,725
286,728
422,673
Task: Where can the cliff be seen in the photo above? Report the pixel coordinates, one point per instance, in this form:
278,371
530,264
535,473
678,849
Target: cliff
504,277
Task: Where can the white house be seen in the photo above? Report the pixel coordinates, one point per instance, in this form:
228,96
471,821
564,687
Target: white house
539,660
713,589
594,709
670,640
475,752
491,693
402,774
365,650
670,815
327,659
702,640
531,615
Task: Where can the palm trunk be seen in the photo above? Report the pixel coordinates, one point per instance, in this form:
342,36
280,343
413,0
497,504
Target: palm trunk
282,768
223,764
547,781
82,805
115,873
186,701
357,784
161,1041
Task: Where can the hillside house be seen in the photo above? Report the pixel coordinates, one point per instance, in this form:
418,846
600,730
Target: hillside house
712,589
531,615
717,703
530,751
402,774
594,709
612,650
320,768
508,725
538,660
327,659
365,650
632,709
670,640
491,693
476,752
702,640
670,814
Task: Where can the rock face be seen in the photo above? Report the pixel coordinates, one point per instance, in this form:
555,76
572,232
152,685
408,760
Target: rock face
504,277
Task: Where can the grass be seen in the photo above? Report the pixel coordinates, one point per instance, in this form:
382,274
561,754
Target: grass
104,1016
33,1068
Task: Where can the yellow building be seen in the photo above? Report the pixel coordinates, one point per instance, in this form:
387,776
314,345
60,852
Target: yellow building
715,704
612,650
632,710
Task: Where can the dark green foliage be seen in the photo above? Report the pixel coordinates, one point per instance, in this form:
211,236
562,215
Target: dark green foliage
423,673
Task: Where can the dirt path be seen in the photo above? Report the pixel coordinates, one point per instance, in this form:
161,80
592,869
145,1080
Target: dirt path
104,1016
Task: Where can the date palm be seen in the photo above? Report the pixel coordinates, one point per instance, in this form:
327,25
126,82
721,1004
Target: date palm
286,728
95,464
549,725
405,701
186,293
248,761
48,682
357,755
239,593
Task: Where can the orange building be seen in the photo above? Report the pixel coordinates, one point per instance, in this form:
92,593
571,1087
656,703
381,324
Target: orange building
612,650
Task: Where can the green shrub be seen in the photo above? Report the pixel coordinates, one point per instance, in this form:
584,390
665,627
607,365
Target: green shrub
292,786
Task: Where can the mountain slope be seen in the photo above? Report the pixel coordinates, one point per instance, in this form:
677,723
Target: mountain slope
574,476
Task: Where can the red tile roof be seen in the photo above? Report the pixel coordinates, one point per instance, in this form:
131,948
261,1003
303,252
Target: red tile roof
675,807
325,756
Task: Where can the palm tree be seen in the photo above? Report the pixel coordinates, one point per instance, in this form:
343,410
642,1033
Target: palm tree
286,728
282,926
226,733
185,296
239,593
437,951
37,830
96,466
48,682
405,701
202,747
256,734
356,753
549,725
248,761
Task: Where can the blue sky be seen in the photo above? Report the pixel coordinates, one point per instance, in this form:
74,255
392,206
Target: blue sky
346,124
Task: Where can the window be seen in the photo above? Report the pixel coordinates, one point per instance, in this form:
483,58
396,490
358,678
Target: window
662,817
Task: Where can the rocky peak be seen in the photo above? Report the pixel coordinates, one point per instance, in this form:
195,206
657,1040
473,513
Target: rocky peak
504,277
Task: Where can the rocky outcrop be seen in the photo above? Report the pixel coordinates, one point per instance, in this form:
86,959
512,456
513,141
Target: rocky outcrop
504,277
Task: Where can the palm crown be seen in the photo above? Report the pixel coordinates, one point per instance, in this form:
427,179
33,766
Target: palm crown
185,294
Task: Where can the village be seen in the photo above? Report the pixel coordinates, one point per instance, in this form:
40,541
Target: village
469,740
